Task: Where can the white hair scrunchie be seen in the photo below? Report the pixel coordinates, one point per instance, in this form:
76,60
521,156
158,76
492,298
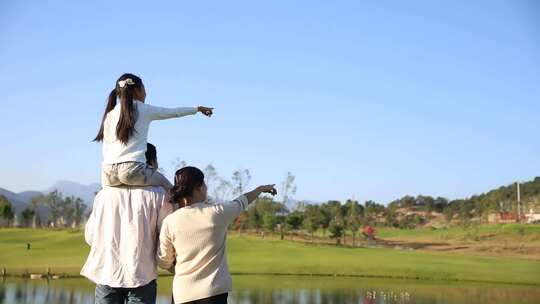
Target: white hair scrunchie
127,81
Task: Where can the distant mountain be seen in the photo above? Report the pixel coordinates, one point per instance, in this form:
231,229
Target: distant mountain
18,202
26,196
22,200
68,188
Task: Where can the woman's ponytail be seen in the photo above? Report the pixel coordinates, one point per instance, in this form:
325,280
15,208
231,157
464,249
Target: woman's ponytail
186,180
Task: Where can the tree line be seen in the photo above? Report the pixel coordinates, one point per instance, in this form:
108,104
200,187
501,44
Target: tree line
45,210
333,218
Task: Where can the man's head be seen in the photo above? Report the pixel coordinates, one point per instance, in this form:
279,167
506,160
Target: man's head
151,156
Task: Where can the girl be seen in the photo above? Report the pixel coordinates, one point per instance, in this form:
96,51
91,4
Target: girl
124,133
192,239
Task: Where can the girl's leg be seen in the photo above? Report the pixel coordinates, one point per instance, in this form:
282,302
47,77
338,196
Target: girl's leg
139,174
109,176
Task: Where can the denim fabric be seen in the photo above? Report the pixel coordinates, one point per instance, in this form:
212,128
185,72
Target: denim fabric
219,299
116,295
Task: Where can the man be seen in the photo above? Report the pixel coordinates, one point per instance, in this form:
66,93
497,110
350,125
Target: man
122,231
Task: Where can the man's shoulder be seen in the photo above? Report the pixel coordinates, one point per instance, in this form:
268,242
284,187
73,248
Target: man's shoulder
145,191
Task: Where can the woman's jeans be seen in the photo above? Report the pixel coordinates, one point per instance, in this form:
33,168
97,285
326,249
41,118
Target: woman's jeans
219,299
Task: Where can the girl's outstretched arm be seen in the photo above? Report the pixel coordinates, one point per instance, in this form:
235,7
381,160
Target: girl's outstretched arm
159,113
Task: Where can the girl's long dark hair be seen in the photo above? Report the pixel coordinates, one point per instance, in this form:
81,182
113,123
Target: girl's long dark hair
126,124
185,181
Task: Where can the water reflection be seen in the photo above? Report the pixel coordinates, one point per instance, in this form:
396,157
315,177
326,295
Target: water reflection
42,292
293,290
315,296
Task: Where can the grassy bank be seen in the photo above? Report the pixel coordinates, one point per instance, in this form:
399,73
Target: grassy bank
504,240
514,232
65,252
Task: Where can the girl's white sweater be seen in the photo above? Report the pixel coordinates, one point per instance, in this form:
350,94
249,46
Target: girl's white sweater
114,151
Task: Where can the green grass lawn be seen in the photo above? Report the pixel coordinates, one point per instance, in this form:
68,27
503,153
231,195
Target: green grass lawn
65,252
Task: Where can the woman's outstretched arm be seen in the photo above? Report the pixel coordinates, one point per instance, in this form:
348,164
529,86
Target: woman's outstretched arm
228,212
254,194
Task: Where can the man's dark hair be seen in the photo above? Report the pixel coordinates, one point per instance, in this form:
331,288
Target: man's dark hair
151,153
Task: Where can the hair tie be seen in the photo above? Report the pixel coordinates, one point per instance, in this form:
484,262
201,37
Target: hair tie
125,82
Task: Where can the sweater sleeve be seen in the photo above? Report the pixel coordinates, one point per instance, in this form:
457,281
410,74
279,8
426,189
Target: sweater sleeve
228,212
159,113
165,252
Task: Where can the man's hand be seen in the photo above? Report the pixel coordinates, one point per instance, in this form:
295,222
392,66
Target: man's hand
206,111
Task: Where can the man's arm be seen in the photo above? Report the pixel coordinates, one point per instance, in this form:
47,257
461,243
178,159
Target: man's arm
165,252
165,208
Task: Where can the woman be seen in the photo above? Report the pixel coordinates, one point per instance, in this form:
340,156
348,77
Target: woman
192,239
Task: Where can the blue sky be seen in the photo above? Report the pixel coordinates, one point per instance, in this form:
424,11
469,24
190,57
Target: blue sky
375,99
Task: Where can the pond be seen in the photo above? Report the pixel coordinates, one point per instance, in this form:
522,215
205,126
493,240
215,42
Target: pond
249,289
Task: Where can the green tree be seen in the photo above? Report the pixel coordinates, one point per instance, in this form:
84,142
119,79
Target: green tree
337,223
67,210
55,203
78,209
325,216
242,222
353,219
263,205
373,209
294,220
426,202
450,211
465,211
27,216
311,220
336,230
35,203
253,221
391,217
6,210
440,204
269,221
